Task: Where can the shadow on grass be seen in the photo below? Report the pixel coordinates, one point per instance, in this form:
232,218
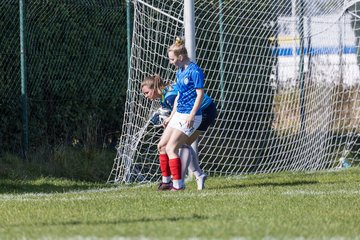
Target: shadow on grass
19,187
269,184
194,217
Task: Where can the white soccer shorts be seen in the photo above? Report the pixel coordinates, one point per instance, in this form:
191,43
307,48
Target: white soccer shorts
178,122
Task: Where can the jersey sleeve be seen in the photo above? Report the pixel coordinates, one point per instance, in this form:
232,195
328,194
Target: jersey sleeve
169,100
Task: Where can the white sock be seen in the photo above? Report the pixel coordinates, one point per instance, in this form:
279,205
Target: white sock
185,158
166,179
179,183
194,163
196,174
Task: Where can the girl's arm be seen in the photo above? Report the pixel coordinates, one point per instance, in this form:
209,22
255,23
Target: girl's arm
196,107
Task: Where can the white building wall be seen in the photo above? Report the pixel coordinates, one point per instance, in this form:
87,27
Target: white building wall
333,51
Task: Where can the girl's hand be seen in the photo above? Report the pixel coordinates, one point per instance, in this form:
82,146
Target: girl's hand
166,122
190,121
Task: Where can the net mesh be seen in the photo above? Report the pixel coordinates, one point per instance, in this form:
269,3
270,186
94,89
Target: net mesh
284,75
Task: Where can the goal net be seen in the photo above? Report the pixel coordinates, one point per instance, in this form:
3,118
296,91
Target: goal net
284,75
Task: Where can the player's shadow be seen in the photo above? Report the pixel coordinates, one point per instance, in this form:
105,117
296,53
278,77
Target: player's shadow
21,187
269,184
194,217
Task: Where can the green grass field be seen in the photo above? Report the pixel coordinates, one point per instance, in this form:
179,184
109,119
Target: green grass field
319,205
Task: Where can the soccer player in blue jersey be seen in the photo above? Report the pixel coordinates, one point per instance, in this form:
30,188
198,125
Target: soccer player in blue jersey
154,88
186,115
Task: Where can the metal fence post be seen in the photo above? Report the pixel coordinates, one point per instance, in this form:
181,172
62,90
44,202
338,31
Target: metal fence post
24,102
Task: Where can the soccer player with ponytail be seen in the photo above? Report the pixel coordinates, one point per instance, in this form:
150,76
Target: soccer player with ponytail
186,115
154,88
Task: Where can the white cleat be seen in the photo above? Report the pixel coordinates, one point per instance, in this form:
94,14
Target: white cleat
201,181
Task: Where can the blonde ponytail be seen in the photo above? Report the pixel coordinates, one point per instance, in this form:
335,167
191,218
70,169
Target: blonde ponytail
178,47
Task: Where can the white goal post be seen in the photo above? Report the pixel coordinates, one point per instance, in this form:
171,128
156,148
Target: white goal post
284,74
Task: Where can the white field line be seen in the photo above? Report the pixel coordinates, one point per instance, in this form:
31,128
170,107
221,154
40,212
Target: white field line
190,238
123,238
94,238
247,193
311,192
204,194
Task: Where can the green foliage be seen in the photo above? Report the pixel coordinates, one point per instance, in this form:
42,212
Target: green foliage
10,120
76,73
62,162
322,205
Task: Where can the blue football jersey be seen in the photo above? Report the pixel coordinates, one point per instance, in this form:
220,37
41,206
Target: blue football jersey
170,92
187,81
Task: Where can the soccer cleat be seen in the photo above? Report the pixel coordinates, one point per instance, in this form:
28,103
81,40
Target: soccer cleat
177,189
165,186
201,181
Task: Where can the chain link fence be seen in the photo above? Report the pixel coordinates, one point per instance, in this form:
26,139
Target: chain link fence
76,73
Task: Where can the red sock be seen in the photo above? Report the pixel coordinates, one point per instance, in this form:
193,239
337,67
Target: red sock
175,167
164,165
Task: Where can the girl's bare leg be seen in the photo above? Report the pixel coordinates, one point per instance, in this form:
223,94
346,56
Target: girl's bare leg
164,160
177,139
